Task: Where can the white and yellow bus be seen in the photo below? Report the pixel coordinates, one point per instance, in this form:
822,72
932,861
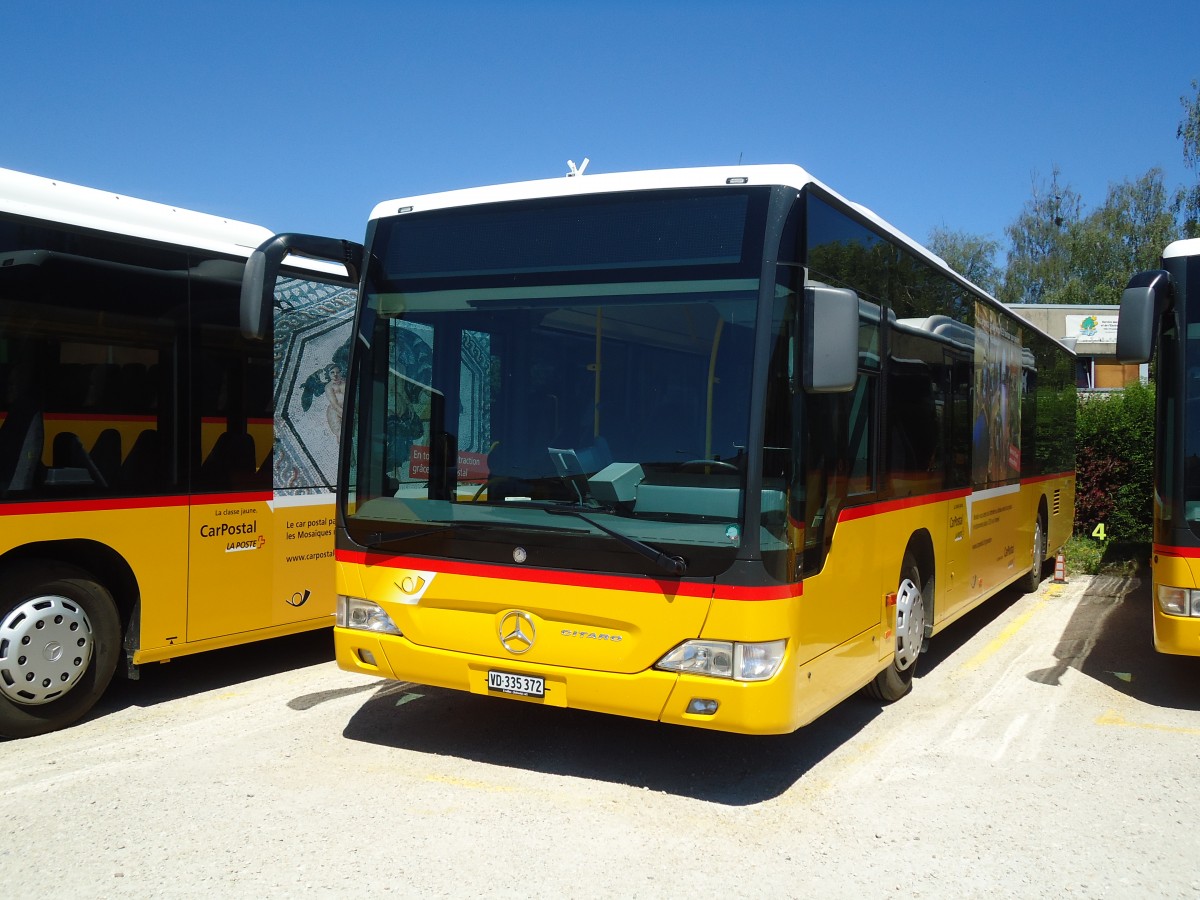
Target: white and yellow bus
712,447
166,485
1163,307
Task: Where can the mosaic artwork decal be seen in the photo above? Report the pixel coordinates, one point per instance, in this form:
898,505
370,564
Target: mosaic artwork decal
313,321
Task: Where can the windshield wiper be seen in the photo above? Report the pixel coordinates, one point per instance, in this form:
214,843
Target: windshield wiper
673,564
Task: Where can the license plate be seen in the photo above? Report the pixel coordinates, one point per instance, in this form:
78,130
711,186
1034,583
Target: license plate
521,685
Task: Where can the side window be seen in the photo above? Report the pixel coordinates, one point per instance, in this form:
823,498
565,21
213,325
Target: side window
843,253
932,343
860,437
1048,407
230,423
88,353
862,413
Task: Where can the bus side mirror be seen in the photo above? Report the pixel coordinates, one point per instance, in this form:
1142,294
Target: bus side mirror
830,340
1142,305
262,268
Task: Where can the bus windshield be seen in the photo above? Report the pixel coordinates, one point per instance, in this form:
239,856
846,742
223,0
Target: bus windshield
557,356
1190,397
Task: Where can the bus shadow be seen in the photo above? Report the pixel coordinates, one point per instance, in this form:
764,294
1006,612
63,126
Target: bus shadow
214,670
954,637
729,769
1110,639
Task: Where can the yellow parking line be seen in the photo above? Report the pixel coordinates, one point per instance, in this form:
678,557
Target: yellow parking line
993,646
471,783
1111,718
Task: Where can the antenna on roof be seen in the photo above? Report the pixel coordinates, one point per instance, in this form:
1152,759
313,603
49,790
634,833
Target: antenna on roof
576,171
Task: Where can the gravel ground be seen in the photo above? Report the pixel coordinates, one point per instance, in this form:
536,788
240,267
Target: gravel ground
1046,751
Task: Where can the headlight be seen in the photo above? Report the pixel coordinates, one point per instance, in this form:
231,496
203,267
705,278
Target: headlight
1178,601
757,662
353,612
726,659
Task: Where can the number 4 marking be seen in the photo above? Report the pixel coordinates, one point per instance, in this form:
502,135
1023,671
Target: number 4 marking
1099,533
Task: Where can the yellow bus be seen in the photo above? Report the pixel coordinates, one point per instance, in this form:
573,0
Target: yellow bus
1163,307
166,485
713,447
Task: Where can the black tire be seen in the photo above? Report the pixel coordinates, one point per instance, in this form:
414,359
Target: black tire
60,639
1033,580
896,680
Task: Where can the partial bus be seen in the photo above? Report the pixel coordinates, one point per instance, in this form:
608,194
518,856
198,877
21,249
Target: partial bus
713,447
166,485
1163,307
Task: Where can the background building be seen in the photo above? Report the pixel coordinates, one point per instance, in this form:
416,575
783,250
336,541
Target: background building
1092,332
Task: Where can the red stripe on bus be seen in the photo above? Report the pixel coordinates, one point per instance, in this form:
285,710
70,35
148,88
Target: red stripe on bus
886,506
645,585
1181,552
243,497
47,507
1040,478
97,418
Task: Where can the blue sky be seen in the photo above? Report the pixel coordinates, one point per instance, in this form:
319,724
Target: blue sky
301,116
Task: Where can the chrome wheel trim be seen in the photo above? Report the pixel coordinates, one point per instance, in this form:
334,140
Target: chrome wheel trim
46,645
910,624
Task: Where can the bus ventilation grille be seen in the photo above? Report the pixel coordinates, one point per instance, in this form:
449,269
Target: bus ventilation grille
1057,501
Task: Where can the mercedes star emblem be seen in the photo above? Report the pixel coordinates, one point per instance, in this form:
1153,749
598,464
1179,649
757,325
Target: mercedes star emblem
517,632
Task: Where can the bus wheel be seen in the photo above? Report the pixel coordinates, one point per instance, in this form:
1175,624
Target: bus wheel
1034,579
60,638
896,680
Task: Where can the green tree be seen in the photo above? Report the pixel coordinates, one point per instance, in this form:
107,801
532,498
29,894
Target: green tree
1188,199
1124,235
1060,254
972,256
1037,257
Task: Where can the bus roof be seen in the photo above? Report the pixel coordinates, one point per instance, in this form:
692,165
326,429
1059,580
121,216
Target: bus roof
649,179
711,176
1189,247
72,204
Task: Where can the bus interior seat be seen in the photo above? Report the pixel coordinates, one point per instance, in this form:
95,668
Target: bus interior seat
231,462
106,454
142,467
67,450
265,476
21,438
72,464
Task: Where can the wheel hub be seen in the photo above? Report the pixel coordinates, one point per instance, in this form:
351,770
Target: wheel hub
910,624
45,647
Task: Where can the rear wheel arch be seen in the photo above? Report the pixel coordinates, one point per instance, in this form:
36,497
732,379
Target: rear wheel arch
920,548
915,589
102,564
